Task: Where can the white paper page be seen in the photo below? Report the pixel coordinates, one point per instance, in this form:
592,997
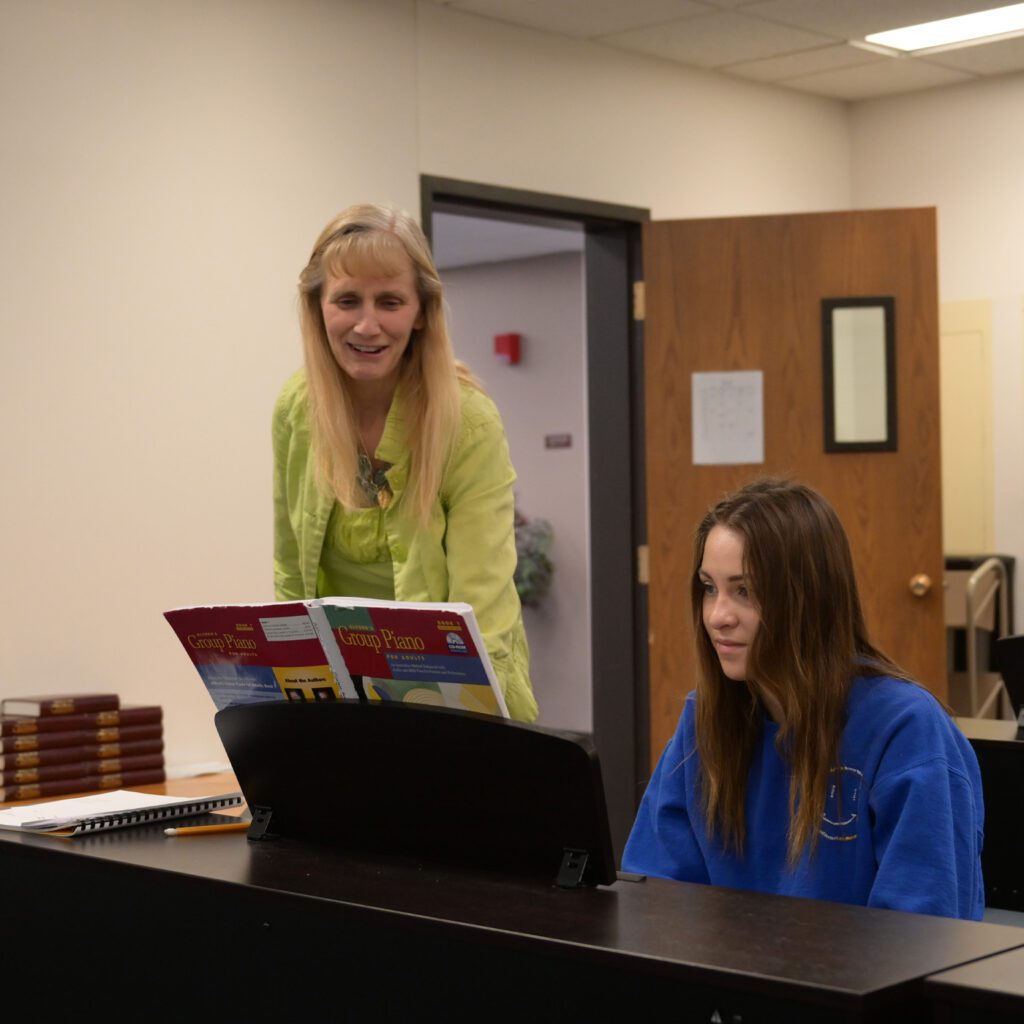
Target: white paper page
728,418
77,808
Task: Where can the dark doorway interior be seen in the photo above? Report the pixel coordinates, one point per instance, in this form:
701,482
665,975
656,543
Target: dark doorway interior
614,385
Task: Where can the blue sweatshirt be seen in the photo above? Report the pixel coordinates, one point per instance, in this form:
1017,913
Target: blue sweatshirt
902,830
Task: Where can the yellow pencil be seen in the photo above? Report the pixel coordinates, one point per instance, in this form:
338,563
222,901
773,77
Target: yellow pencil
200,830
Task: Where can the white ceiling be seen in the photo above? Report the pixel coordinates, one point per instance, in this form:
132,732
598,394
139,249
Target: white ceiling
798,44
460,241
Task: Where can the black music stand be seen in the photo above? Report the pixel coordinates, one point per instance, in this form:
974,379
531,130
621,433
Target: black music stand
433,784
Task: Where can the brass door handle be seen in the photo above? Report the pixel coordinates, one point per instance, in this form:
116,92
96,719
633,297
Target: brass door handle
920,584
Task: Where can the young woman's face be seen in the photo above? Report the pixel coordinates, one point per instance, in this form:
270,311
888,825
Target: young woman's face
369,321
730,616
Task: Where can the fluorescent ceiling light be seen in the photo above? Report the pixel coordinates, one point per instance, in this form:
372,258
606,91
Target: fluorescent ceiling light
966,30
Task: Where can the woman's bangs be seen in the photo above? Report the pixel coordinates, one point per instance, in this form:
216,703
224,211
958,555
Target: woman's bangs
366,254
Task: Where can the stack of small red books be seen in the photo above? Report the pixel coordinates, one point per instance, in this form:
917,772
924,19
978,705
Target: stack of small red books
75,743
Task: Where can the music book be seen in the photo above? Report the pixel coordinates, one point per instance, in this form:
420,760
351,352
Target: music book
119,808
331,648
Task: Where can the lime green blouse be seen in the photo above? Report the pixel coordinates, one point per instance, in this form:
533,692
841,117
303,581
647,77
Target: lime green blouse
355,558
465,552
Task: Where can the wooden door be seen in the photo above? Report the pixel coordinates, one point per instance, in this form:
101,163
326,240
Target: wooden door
745,294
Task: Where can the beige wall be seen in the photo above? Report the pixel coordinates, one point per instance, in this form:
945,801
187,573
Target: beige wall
542,299
165,168
514,107
965,371
960,149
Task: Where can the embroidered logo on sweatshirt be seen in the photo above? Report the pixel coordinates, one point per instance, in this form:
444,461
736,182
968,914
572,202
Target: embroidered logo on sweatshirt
842,804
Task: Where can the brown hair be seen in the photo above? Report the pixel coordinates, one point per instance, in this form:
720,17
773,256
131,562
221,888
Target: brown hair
809,646
380,241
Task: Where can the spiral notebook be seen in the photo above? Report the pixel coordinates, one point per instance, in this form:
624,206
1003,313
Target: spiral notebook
120,808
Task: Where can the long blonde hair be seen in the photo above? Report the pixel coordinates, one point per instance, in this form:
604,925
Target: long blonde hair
811,643
376,241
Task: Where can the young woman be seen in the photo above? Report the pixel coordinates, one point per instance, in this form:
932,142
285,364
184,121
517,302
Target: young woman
806,763
392,473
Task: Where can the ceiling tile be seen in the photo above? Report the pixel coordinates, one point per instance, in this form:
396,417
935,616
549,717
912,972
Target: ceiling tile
797,43
990,59
725,3
714,40
805,62
853,19
582,18
888,75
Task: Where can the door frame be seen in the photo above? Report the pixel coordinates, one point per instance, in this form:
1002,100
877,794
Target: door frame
615,426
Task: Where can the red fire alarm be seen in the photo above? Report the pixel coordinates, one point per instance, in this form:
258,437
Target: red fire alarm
506,348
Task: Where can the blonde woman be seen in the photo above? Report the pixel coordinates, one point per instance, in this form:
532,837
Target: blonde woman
392,473
806,763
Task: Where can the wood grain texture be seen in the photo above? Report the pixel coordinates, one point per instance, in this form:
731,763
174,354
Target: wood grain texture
745,294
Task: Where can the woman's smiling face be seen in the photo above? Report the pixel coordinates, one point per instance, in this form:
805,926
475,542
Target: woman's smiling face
369,321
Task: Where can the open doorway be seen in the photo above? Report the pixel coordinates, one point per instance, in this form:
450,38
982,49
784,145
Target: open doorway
562,270
504,277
